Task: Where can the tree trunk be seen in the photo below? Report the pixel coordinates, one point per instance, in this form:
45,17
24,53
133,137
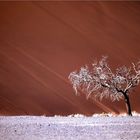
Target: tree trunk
127,102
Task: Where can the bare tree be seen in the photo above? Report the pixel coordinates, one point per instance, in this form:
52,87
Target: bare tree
100,81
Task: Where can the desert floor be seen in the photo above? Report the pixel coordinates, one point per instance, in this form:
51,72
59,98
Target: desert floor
69,128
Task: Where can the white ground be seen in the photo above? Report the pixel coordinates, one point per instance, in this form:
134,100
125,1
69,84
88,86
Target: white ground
70,128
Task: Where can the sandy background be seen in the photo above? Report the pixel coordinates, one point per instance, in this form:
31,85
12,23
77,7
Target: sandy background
42,42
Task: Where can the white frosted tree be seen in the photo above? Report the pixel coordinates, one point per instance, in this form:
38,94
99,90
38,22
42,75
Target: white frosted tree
101,82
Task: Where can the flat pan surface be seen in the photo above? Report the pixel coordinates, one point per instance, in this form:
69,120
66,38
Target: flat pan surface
69,128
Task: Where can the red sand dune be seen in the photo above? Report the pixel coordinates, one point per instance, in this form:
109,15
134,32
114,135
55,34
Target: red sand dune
42,42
